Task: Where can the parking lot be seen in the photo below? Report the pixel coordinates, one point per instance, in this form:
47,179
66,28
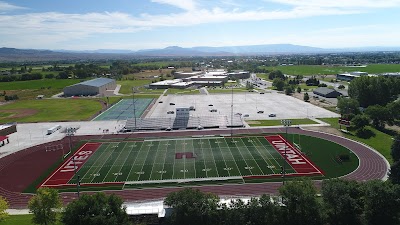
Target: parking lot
285,107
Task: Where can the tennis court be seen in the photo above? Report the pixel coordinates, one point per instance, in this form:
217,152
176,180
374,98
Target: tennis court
124,109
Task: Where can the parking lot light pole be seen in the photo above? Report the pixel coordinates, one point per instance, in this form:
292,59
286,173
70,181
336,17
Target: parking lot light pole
134,106
286,124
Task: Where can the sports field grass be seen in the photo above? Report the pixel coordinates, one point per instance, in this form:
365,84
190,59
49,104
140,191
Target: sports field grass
315,69
258,123
200,161
46,110
156,160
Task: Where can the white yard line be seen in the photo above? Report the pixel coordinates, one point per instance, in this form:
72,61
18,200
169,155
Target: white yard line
241,139
115,161
110,153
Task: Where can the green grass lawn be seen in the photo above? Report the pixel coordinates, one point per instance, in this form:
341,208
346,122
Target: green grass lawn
52,110
21,220
381,142
18,220
258,123
126,85
182,91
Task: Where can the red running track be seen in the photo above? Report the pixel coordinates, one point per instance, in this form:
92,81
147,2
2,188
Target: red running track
16,174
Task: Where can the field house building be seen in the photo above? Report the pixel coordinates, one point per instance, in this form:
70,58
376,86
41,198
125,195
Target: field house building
98,86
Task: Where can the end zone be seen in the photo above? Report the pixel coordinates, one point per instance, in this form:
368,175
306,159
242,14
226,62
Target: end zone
299,162
67,170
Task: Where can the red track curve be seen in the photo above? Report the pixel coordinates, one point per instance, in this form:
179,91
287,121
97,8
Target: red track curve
34,161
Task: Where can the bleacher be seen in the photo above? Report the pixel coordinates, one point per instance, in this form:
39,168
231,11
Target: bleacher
191,122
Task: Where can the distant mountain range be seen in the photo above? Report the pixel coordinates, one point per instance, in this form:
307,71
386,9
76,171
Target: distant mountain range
12,54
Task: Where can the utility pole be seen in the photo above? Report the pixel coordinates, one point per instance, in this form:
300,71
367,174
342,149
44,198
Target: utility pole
286,124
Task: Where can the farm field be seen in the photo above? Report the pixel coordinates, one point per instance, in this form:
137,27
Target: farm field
31,89
47,110
315,69
167,161
38,84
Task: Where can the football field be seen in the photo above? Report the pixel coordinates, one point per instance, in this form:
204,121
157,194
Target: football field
181,160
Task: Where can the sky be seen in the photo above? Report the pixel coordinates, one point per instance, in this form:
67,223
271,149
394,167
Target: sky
149,24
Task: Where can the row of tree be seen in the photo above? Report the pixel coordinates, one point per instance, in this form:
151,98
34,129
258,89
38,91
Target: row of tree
22,77
374,90
378,115
343,202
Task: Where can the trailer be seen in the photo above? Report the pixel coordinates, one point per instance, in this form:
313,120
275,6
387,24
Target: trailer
53,129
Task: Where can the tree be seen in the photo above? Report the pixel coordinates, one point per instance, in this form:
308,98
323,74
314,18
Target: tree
379,115
3,208
395,149
276,74
360,121
341,87
278,83
302,207
191,206
288,90
373,90
394,174
306,97
45,206
381,203
97,209
298,89
394,108
342,201
347,106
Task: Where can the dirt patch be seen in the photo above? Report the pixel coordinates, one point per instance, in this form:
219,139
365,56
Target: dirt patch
18,113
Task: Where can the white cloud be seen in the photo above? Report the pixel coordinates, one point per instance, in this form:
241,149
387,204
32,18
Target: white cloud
340,3
4,6
183,4
52,28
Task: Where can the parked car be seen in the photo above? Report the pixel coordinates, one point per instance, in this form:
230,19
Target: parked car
213,110
246,115
170,112
171,103
260,111
210,105
272,115
160,102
